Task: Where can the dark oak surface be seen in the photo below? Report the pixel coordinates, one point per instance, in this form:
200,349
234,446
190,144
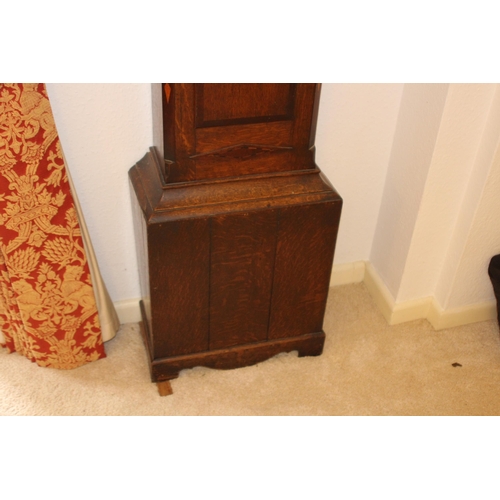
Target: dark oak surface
237,103
242,262
180,257
304,257
227,130
236,228
234,357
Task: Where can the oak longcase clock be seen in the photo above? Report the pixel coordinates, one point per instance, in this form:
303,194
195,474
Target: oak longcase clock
235,226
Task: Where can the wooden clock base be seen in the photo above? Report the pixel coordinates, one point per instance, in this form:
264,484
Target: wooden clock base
235,227
165,369
233,271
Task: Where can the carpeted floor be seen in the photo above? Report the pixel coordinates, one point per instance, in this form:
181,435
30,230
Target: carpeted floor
367,368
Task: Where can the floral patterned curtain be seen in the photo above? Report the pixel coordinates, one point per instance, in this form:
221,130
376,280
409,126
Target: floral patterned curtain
48,310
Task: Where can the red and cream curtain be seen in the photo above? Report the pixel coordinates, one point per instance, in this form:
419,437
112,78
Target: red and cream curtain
49,294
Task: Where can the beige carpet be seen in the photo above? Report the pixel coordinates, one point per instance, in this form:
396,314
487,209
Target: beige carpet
367,368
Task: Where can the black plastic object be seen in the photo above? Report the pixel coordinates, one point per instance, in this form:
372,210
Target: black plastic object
494,274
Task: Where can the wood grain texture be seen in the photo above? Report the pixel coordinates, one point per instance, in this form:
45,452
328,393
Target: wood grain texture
169,145
220,164
228,103
304,125
242,261
238,356
226,359
164,388
304,257
235,194
182,168
277,134
201,119
179,256
237,228
305,101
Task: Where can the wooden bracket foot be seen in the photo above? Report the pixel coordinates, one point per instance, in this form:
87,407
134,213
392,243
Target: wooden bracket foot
164,388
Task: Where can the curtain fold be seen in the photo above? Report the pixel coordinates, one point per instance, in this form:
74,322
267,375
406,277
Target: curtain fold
48,290
105,308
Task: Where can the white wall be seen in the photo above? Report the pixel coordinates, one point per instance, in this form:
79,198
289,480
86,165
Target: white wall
478,232
356,125
104,129
452,170
436,232
418,167
413,146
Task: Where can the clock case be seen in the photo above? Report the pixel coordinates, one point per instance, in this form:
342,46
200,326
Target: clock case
235,228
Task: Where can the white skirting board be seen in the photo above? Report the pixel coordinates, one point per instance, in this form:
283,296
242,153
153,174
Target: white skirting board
128,311
345,274
424,308
356,272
